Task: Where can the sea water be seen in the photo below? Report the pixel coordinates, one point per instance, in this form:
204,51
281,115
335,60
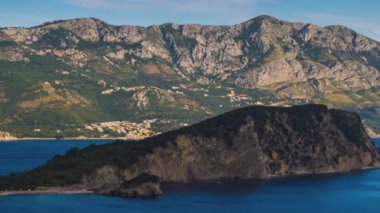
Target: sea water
349,192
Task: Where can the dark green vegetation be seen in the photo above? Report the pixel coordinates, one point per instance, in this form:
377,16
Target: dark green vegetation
69,168
78,100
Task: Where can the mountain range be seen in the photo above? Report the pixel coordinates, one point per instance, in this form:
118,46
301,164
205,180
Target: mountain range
84,77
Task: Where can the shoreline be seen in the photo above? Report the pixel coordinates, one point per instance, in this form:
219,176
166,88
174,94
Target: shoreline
73,190
79,139
46,192
365,168
10,140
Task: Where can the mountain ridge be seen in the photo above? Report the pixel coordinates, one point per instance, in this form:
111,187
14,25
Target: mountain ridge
173,23
130,73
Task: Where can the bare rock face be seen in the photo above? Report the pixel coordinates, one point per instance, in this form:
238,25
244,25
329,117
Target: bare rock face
7,136
206,159
372,133
261,52
258,143
102,179
142,186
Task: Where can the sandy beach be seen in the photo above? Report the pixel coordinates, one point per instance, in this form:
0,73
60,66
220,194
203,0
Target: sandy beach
48,191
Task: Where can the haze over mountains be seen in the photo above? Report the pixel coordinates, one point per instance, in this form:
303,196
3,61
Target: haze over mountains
69,77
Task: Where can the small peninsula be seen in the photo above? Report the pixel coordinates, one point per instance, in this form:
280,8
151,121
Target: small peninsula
255,142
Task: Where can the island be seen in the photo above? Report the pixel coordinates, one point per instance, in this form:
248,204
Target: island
251,143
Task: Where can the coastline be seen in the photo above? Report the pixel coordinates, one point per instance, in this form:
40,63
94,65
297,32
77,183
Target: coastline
300,174
51,191
10,140
15,139
77,189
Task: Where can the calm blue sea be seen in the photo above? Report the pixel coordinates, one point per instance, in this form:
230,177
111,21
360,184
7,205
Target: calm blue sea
351,192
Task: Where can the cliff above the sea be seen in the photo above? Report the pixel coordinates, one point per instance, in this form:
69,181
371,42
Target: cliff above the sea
255,142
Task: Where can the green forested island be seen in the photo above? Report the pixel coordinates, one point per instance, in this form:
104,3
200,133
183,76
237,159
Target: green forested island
252,143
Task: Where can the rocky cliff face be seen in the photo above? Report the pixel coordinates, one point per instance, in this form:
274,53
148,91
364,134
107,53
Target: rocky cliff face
248,54
259,142
248,143
273,62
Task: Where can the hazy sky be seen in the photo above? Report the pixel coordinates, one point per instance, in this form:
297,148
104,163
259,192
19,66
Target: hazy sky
360,15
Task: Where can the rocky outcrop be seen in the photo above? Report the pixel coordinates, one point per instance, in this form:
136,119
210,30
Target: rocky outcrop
108,181
257,53
260,142
249,143
372,133
143,185
6,136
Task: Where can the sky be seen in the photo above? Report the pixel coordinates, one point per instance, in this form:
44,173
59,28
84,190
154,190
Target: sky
361,15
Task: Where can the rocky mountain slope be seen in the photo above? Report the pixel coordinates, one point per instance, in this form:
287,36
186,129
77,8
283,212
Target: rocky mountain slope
248,143
58,77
